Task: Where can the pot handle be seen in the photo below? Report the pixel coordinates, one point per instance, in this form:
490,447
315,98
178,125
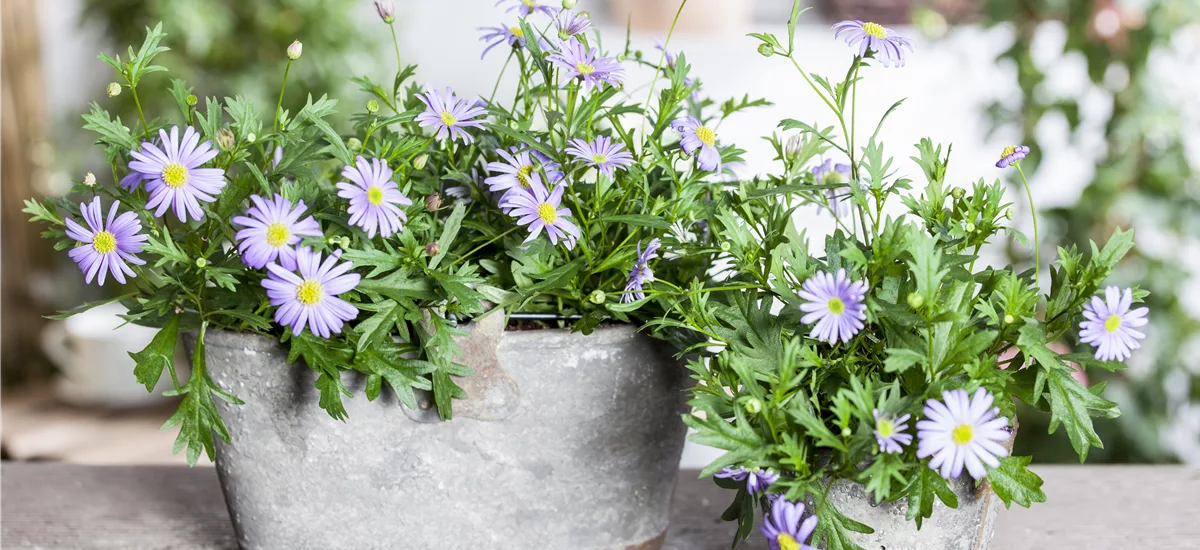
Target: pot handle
492,393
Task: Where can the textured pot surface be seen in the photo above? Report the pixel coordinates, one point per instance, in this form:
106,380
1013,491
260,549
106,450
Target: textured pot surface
572,442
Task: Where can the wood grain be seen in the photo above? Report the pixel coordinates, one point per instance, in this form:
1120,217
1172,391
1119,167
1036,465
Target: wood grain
64,506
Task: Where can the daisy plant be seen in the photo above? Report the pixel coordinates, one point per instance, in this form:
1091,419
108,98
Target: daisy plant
561,202
887,353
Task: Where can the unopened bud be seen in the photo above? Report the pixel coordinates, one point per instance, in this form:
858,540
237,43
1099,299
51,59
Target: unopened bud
433,202
958,193
753,405
225,140
597,297
90,179
372,105
725,246
915,300
568,4
294,51
113,89
191,99
766,50
1008,213
251,138
354,144
969,227
386,10
793,145
1008,319
433,249
419,162
344,241
621,58
201,263
846,431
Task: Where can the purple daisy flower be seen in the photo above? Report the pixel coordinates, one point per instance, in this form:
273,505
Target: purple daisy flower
603,153
375,199
173,174
500,34
449,114
311,298
516,172
1110,326
1012,154
757,481
835,304
887,45
106,247
271,231
830,173
641,273
526,7
540,210
962,431
698,136
783,526
889,432
570,23
578,61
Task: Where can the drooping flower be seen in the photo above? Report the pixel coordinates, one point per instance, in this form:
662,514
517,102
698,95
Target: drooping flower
570,23
578,61
829,173
697,136
375,199
783,527
271,230
173,173
106,246
1011,154
541,209
603,153
835,304
386,10
311,297
889,432
887,45
641,272
757,481
1111,327
526,7
450,115
963,431
494,36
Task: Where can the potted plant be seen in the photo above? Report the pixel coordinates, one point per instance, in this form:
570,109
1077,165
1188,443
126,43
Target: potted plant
421,329
864,387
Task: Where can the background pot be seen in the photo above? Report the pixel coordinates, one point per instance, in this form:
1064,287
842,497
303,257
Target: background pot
567,441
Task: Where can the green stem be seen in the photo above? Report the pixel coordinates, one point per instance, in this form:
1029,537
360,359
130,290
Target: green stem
492,97
1037,242
662,59
396,45
279,104
480,247
138,104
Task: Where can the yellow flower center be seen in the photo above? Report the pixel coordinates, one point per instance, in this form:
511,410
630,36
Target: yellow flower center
529,3
309,292
599,159
875,29
1008,151
547,212
523,174
517,32
1112,323
787,542
104,242
584,68
374,195
448,119
278,234
885,427
175,175
706,135
836,306
962,434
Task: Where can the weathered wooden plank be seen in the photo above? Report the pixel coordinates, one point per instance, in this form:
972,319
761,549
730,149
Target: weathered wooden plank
63,506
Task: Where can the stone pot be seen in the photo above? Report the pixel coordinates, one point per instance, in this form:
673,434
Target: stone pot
566,441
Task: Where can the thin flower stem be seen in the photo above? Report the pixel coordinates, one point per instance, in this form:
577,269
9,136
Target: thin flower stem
662,58
480,247
1037,242
508,59
396,45
138,104
279,104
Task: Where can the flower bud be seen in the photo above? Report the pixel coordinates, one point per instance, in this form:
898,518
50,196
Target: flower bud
753,405
1008,213
433,202
419,162
201,263
621,58
225,139
969,227
958,193
915,300
846,431
386,10
1008,319
113,89
191,100
294,51
433,249
345,241
372,105
793,145
568,4
251,138
725,246
597,297
90,179
354,144
766,50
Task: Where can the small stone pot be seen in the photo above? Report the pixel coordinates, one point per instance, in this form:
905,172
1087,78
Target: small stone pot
565,441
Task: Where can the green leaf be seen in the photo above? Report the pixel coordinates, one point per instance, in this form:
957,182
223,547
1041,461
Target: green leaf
1013,482
1072,405
924,486
833,527
331,395
926,266
449,231
900,359
372,329
328,358
802,411
642,220
111,131
1119,244
743,443
197,415
157,355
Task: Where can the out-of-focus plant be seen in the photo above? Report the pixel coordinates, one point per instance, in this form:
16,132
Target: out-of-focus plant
1143,179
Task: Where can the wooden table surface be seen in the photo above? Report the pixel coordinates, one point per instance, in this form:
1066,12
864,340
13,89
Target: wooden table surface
65,506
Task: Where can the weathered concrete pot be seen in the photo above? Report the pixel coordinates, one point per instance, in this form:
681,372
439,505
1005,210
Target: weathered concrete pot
567,441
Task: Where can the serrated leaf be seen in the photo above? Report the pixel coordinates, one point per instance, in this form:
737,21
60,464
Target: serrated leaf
924,486
157,355
1013,482
1072,405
